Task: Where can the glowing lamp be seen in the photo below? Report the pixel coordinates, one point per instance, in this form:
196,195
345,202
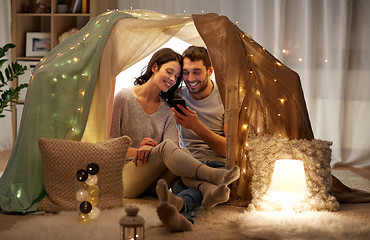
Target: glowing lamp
132,225
288,183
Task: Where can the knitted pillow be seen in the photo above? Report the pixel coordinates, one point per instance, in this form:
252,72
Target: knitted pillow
60,158
316,157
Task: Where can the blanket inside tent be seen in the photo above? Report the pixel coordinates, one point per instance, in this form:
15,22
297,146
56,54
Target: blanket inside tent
71,91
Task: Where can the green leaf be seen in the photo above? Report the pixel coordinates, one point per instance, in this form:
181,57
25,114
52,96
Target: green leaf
2,61
12,71
6,48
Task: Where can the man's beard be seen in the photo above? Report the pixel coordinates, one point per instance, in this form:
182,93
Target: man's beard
202,87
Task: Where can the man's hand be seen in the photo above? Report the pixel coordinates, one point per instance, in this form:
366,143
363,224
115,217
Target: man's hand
188,120
142,154
191,121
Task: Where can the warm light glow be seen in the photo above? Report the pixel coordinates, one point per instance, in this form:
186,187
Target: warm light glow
288,183
245,126
282,100
279,64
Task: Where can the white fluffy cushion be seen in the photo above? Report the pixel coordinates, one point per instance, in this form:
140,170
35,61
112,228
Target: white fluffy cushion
316,156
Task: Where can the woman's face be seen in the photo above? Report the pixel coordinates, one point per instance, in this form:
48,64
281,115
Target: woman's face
166,76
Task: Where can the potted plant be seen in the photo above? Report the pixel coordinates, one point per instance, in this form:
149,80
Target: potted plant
8,94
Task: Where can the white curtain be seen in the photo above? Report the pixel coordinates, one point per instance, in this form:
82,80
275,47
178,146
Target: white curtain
6,135
325,41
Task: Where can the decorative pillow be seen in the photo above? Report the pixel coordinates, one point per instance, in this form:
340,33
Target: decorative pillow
316,157
60,158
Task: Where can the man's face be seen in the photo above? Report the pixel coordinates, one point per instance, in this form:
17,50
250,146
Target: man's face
196,76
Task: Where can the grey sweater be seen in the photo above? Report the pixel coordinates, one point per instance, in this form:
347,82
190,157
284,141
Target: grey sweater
131,120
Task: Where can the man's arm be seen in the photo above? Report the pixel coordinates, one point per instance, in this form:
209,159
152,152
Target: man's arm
191,121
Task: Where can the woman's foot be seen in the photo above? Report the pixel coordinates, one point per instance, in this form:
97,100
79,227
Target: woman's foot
218,176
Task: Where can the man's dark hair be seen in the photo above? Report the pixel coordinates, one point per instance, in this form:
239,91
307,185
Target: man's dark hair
197,53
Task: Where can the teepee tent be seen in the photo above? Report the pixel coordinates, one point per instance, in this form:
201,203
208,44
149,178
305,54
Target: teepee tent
71,91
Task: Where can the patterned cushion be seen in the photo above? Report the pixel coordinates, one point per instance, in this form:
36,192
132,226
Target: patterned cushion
62,158
316,157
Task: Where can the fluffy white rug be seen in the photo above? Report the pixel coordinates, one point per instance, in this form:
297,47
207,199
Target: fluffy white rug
224,222
310,225
64,226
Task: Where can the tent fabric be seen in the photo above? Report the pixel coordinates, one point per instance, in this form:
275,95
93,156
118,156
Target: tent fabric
261,95
71,91
56,106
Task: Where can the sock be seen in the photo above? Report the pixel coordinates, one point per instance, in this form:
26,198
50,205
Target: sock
172,219
166,196
218,176
212,194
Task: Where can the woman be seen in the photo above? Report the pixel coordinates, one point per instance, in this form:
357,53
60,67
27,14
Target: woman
142,114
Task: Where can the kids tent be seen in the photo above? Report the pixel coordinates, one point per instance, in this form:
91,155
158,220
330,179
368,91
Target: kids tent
71,91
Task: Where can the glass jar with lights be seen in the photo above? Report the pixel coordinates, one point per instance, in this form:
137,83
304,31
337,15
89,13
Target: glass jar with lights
132,225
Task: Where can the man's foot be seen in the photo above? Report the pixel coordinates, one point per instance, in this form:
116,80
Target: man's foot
164,195
172,219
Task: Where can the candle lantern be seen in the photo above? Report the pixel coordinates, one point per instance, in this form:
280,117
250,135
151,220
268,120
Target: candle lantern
132,225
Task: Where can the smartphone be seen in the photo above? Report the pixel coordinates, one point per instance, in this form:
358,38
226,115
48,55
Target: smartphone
181,102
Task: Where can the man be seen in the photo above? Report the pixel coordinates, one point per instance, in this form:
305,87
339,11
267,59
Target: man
201,131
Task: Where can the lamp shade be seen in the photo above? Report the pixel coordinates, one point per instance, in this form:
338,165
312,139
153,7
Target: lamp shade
288,176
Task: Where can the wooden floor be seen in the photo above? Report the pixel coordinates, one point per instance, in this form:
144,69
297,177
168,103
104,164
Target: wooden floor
364,172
